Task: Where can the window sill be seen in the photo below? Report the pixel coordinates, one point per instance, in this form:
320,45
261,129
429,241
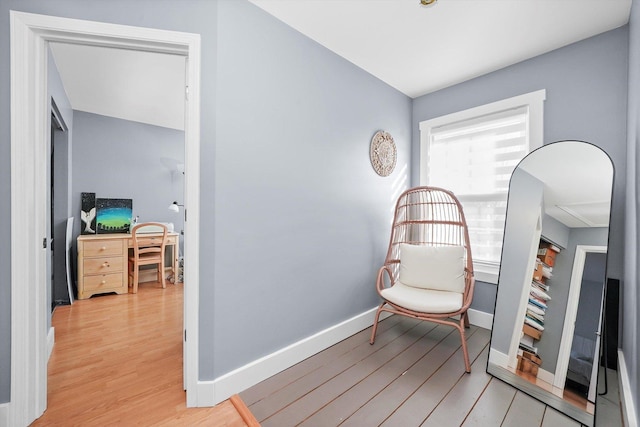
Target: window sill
486,273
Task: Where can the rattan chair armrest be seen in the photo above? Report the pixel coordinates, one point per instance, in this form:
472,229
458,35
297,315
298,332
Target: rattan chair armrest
380,284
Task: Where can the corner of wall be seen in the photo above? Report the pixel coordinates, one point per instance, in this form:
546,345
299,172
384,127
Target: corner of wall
629,409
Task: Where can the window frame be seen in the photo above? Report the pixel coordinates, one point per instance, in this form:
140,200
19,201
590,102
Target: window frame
534,101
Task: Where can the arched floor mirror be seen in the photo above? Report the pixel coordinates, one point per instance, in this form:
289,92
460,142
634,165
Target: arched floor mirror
546,336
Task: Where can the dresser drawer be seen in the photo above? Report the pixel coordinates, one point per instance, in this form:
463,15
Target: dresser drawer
102,248
103,281
103,265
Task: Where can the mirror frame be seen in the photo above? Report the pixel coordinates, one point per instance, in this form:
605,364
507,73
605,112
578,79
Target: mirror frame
514,379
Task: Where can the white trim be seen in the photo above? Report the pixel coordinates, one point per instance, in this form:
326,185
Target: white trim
534,101
29,36
514,344
629,410
4,414
480,318
51,340
575,284
498,358
487,273
215,391
545,376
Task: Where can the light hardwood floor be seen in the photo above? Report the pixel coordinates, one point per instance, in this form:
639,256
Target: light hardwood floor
117,360
412,376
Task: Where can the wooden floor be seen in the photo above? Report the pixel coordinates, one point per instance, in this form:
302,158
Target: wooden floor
412,376
117,360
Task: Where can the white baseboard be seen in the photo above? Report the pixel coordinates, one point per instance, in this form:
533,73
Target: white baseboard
4,414
498,358
480,318
213,392
51,339
546,376
629,410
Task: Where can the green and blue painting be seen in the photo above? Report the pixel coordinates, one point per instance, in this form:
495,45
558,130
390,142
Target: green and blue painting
114,215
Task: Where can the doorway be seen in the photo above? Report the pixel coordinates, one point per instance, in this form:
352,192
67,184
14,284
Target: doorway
30,35
59,208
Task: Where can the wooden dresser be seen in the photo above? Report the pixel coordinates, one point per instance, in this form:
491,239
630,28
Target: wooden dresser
102,265
103,262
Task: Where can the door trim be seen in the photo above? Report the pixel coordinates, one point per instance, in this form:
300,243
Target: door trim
575,285
30,35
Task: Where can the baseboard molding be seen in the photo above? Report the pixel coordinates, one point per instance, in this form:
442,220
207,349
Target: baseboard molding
546,376
498,358
213,392
4,414
51,340
480,318
629,410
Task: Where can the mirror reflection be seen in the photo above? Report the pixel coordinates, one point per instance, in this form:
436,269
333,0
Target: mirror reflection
545,336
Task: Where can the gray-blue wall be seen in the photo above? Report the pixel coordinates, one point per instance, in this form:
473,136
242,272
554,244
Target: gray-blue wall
630,294
301,220
295,221
285,133
586,87
525,202
549,345
121,159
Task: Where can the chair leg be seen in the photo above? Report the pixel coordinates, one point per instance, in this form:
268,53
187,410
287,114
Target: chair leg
161,274
136,274
465,352
375,324
466,319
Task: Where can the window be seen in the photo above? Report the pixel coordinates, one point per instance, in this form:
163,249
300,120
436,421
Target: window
473,153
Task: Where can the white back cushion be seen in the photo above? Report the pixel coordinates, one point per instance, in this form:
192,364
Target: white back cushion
432,267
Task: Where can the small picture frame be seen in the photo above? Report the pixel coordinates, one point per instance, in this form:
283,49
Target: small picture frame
88,213
114,215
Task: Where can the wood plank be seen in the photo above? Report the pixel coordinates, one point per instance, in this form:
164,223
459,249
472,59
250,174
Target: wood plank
354,398
525,411
305,406
453,409
492,407
325,357
117,360
268,406
553,418
417,395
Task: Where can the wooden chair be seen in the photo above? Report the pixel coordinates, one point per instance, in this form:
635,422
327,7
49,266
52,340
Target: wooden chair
147,250
428,271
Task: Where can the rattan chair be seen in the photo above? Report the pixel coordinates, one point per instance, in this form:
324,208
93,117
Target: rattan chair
428,271
147,250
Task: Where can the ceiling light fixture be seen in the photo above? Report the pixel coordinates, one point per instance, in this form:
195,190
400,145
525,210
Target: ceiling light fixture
427,2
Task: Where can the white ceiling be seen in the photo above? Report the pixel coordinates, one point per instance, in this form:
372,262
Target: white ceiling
132,85
420,49
415,49
577,180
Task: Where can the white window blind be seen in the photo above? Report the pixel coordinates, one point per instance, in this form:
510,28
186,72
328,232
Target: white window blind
475,159
473,153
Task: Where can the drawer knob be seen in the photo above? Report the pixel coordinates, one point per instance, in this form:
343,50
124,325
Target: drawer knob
103,282
104,248
106,264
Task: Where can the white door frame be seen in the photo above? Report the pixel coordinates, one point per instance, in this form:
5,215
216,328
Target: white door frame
512,357
30,35
572,311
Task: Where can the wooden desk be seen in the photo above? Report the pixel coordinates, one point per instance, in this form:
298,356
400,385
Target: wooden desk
103,262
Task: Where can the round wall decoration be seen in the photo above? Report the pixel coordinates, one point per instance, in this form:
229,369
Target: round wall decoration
383,153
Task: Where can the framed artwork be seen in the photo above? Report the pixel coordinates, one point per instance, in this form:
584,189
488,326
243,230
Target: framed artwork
114,215
88,213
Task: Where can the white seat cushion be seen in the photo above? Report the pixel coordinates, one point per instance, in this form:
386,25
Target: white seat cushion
432,267
423,300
